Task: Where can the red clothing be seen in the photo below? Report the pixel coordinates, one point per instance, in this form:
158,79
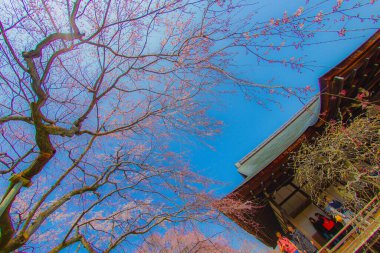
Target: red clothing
286,246
327,223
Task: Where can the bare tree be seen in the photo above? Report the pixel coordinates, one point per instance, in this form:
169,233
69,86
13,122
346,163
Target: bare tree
91,94
343,156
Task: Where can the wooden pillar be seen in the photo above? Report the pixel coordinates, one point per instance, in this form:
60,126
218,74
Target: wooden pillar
281,215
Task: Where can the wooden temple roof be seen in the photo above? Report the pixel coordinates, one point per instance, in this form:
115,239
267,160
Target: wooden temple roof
358,71
339,89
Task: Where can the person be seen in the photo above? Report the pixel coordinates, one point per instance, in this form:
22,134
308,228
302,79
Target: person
336,209
327,223
302,243
331,227
285,245
319,228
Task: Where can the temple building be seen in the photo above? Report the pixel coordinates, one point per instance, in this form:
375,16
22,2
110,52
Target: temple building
268,176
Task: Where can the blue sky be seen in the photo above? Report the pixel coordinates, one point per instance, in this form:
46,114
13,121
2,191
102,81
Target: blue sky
246,123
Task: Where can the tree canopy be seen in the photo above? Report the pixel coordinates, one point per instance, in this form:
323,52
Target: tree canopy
92,94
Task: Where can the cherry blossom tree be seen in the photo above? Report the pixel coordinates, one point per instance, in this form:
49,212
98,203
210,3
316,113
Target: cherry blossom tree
93,95
180,240
190,240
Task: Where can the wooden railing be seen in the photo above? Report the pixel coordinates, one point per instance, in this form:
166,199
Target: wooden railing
357,231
